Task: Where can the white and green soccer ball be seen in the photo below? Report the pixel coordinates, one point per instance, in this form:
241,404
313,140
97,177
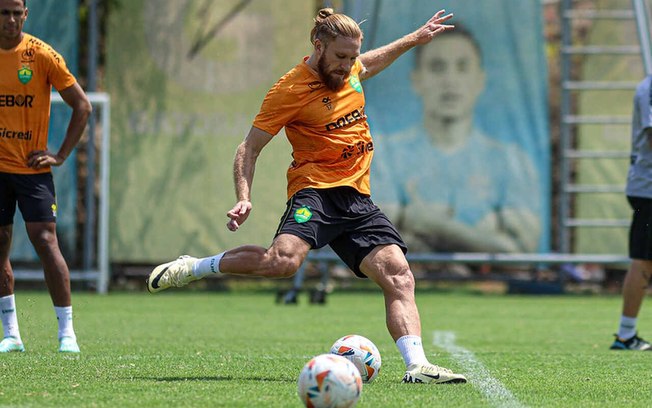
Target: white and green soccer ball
329,381
362,352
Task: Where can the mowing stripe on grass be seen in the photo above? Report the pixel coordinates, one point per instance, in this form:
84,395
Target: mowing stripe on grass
477,374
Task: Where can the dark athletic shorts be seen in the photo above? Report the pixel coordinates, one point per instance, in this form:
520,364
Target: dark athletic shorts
640,232
349,222
34,194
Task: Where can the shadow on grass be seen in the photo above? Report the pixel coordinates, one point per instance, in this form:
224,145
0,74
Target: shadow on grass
214,378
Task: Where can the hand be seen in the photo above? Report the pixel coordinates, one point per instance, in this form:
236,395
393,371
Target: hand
39,159
238,214
433,27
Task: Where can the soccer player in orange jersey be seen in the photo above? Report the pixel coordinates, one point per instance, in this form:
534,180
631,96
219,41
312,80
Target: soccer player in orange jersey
29,68
321,105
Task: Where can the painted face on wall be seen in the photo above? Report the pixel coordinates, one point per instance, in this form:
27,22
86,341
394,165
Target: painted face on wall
449,77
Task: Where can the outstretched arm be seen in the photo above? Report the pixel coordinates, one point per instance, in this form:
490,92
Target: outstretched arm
244,166
378,59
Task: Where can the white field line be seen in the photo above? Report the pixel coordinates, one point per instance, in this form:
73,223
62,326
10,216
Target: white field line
495,393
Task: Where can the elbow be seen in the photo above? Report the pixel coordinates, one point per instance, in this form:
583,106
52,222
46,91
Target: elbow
82,109
249,150
87,108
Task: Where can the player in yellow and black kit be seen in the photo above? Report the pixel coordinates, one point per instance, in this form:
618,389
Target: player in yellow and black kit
29,68
321,105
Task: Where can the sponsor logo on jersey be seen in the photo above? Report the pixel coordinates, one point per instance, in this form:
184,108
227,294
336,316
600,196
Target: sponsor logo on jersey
357,149
346,120
12,134
20,101
28,55
25,74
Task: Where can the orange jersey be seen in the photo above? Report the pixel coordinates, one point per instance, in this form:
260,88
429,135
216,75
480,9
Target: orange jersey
328,131
27,74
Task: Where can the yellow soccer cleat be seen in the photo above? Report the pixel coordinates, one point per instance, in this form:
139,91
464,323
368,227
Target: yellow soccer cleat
172,274
431,374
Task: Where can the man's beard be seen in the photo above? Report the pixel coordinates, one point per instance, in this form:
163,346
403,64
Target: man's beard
334,83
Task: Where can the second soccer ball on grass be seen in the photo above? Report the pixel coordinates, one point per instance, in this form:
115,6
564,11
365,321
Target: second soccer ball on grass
362,352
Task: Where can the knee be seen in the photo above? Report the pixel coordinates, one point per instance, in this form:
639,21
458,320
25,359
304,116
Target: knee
285,266
401,279
43,239
5,238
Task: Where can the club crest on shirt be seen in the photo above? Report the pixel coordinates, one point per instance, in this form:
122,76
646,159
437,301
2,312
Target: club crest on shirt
25,74
302,214
354,81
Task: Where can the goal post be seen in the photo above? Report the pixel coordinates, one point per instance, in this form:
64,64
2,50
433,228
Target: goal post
98,272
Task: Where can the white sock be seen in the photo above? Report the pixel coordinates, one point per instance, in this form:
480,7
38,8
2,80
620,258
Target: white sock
627,328
9,316
207,266
64,318
412,350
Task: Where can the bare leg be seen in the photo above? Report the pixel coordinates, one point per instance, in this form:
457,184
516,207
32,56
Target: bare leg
387,266
57,276
6,273
280,260
11,341
636,282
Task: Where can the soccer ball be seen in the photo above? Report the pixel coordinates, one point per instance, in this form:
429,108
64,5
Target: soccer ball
362,353
329,381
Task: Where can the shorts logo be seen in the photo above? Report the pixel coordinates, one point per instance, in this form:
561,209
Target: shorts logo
354,81
25,74
54,210
302,214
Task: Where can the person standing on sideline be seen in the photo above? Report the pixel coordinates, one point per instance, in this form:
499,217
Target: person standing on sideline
639,195
321,104
28,70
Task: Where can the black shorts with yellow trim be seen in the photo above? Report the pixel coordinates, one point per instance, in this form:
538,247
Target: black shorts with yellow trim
34,194
341,217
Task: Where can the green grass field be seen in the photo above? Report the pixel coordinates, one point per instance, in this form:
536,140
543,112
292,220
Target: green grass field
239,349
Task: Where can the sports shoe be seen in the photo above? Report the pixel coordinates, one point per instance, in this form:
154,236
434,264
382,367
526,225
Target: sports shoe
11,344
68,345
176,273
431,374
633,343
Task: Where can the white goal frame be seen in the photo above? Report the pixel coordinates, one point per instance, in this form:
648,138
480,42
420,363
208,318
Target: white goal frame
100,273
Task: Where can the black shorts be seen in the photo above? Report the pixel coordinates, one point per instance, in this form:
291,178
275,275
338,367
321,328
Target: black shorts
34,194
640,232
349,222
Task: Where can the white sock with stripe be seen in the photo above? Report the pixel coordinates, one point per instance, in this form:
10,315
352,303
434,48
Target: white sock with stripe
9,317
207,266
411,349
64,318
